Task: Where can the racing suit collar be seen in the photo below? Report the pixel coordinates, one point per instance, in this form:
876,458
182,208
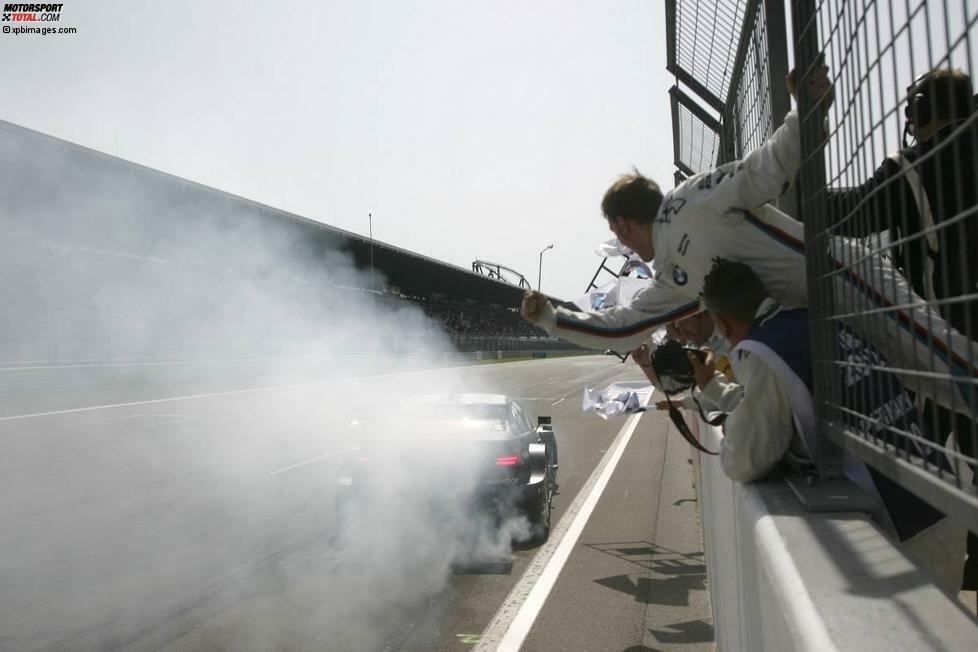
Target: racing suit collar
768,308
660,245
652,242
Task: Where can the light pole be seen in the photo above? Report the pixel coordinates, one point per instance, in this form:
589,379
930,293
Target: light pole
370,219
540,268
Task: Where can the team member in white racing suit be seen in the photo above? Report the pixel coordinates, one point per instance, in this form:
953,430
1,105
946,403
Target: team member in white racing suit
725,213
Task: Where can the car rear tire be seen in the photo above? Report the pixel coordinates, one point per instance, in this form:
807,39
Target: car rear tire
538,511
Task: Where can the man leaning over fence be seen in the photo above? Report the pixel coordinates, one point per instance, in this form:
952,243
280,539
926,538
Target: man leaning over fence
774,421
726,213
923,199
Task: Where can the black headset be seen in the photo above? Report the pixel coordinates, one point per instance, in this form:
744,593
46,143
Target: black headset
918,110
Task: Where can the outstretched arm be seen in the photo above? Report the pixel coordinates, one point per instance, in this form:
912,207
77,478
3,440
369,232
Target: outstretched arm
618,328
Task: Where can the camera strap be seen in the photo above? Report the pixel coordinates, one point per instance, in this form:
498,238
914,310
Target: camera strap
683,428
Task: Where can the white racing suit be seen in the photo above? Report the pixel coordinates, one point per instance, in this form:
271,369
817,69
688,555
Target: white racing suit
724,213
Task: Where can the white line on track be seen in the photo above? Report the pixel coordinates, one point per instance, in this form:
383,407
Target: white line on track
309,461
231,392
512,623
560,400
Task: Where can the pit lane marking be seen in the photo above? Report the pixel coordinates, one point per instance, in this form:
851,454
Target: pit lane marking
512,622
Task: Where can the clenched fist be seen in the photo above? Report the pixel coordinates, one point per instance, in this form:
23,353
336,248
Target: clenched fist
819,89
533,306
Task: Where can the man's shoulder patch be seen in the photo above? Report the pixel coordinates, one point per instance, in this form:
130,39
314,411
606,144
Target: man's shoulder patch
671,206
679,275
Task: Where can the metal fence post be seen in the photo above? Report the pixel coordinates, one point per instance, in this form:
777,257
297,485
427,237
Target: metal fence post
812,211
777,63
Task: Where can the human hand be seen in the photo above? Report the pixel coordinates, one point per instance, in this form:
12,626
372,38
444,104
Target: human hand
819,86
642,355
662,405
703,372
533,306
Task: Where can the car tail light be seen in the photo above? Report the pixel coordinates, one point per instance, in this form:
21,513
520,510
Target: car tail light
507,460
364,460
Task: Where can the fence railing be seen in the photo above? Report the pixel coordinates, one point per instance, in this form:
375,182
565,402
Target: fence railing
891,237
896,232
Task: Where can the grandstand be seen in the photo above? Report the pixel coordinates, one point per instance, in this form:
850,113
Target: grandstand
116,260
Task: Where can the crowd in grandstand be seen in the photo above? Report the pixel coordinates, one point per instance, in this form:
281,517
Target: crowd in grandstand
461,318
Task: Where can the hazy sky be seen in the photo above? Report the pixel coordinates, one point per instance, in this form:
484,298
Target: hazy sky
469,129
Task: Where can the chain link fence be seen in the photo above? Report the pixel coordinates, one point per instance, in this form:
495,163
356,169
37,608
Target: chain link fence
891,218
888,189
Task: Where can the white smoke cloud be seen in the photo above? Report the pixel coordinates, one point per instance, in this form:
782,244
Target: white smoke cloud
171,525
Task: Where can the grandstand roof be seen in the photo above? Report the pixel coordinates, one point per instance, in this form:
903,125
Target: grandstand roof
407,270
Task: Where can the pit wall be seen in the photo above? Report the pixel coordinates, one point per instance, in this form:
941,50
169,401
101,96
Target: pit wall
783,579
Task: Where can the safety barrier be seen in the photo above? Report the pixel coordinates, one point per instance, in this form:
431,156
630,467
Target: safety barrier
784,579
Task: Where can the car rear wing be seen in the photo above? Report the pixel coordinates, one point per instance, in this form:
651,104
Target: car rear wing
545,430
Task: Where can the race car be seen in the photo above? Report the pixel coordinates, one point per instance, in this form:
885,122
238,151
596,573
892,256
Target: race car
479,446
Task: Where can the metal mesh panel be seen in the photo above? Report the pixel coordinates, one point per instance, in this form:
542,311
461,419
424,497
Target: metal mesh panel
750,117
893,243
893,295
727,61
706,40
699,142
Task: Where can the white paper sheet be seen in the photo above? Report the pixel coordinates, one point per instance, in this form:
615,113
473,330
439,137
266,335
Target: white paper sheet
617,398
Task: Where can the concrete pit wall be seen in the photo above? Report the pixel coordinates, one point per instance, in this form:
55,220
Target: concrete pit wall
783,579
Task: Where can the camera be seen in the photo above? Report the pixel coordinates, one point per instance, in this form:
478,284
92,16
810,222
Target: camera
671,364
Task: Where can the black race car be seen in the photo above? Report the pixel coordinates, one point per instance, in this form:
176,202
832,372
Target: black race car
481,447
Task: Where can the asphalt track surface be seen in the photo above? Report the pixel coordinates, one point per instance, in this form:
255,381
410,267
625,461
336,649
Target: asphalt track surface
190,507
